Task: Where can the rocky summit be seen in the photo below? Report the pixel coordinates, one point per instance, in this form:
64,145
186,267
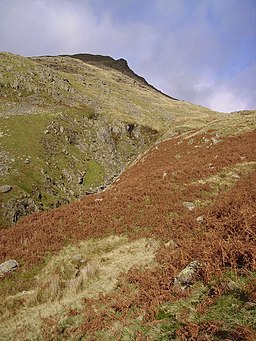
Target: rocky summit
126,214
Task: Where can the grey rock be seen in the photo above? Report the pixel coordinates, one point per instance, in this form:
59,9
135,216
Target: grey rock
200,219
214,140
187,276
80,180
189,205
19,207
8,266
5,188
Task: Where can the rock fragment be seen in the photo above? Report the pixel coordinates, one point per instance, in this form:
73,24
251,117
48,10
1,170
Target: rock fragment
200,219
189,205
8,266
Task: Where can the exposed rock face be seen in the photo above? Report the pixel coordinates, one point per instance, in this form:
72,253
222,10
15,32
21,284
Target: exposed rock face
5,162
8,266
186,277
19,207
79,155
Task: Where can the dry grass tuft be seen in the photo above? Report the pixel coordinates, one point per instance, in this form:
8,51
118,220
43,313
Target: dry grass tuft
85,270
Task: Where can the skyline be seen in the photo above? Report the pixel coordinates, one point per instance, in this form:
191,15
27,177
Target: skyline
201,51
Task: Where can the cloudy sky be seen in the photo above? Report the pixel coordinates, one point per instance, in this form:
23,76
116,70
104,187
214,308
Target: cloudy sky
202,51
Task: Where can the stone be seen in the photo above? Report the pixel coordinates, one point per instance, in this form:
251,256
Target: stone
187,276
5,188
164,175
98,199
189,205
80,180
214,140
200,219
8,266
171,244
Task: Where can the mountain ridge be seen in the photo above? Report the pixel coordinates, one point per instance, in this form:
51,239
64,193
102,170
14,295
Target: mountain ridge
120,64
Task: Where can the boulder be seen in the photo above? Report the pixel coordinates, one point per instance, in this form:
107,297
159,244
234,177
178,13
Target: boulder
200,219
5,188
187,276
189,205
8,266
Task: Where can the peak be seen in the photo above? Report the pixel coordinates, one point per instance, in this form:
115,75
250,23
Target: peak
120,65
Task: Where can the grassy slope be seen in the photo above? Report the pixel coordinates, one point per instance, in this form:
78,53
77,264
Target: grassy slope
69,285
145,206
90,103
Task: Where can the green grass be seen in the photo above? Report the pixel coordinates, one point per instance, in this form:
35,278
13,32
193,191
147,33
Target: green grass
233,308
94,174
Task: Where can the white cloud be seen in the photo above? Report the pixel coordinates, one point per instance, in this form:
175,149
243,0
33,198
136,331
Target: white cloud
196,51
226,101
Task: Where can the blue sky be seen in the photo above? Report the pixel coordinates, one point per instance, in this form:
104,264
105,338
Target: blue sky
202,51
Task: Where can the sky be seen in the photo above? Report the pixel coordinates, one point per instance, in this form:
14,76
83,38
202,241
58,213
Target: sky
201,51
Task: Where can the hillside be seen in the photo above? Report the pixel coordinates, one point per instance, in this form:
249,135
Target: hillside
69,127
110,266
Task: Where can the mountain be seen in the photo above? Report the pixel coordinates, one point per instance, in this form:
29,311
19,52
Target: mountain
70,125
158,240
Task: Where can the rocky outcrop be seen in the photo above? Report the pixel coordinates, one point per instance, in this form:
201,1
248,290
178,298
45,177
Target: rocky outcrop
80,154
19,207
